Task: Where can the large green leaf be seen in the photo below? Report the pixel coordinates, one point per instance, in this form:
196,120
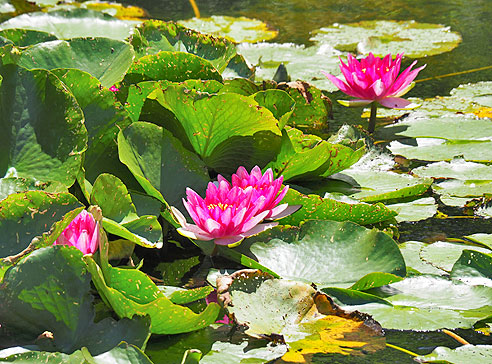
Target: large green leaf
473,267
120,214
104,117
24,216
160,163
316,207
49,291
307,156
11,185
104,58
327,253
388,36
66,24
278,102
154,36
38,110
225,130
131,292
26,37
171,66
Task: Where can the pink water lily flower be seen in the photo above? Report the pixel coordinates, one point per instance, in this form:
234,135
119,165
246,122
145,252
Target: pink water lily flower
375,79
82,233
264,185
231,212
114,88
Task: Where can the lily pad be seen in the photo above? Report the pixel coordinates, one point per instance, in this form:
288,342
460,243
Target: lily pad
470,354
381,37
238,30
217,347
411,253
473,268
300,62
26,37
131,292
416,210
316,207
106,59
482,239
327,253
443,255
225,130
456,168
27,149
66,24
57,299
373,186
429,149
308,321
154,36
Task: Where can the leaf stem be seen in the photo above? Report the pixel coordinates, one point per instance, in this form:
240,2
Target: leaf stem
195,8
401,349
456,337
372,118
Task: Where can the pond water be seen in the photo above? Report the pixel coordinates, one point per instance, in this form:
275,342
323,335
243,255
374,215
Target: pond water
296,19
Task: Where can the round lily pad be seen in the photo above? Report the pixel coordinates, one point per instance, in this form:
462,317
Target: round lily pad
300,62
66,24
416,210
240,29
469,354
458,169
381,37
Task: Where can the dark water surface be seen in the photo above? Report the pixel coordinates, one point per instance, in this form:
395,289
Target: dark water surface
296,19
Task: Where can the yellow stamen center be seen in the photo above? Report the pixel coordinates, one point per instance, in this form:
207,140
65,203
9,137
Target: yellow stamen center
221,205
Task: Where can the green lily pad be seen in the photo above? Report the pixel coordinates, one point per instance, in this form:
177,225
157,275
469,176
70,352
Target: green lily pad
225,130
376,186
428,149
411,253
304,156
482,239
30,214
26,37
104,118
469,354
443,255
278,102
316,207
171,66
160,163
479,92
473,268
57,299
381,37
238,30
124,352
458,188
120,217
16,185
456,168
301,63
27,149
416,210
429,303
173,272
131,292
327,253
456,128
153,36
307,320
217,346
106,59
66,24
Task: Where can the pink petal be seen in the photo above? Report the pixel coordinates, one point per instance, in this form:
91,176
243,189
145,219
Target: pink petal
289,210
193,235
395,103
